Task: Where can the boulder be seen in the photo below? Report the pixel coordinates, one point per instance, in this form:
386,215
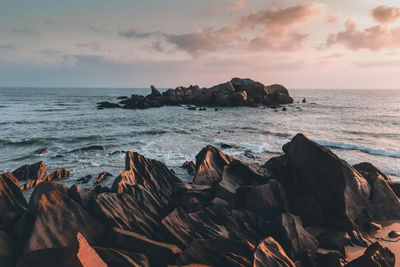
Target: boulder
151,174
192,197
374,255
31,172
270,254
225,89
252,88
210,163
102,176
106,104
289,232
370,172
189,166
279,94
155,92
158,253
12,202
56,220
336,240
218,252
89,148
239,98
315,171
268,200
55,175
139,212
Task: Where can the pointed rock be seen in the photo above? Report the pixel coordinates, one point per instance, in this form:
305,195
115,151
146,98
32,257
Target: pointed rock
374,255
34,171
270,254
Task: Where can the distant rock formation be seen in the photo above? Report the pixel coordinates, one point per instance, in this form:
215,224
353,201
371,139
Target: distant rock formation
237,92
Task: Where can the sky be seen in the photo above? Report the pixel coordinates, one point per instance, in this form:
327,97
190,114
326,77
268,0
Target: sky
326,44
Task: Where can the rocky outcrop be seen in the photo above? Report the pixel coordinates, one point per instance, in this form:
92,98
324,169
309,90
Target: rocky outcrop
56,175
102,176
56,221
374,255
269,253
88,148
12,202
237,92
31,172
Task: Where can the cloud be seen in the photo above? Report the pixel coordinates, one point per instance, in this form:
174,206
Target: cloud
237,4
7,47
271,28
374,38
386,14
93,45
25,31
333,18
136,34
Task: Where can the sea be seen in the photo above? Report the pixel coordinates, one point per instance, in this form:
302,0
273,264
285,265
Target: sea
357,125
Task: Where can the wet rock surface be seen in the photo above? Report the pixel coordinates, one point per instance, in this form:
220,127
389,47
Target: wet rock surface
234,213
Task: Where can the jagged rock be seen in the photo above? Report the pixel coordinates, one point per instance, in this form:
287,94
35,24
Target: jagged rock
314,170
89,148
34,171
85,179
268,200
40,190
325,259
225,89
55,175
106,104
192,197
12,202
394,234
309,211
370,172
210,163
56,220
372,227
151,174
334,240
40,151
279,94
395,186
155,92
218,252
140,211
189,166
84,197
374,255
270,254
102,176
289,232
158,253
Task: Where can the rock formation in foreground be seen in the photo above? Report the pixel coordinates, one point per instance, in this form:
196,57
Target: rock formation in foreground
237,92
304,208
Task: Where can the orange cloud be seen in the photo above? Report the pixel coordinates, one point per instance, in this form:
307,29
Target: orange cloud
238,4
386,14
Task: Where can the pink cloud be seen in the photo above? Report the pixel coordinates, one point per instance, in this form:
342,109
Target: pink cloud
374,38
266,29
333,18
386,14
237,4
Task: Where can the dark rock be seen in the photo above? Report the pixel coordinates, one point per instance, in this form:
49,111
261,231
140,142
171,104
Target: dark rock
334,240
249,155
192,197
7,250
370,172
223,89
151,174
102,176
268,200
279,94
189,166
314,170
269,253
89,148
55,175
309,211
226,146
284,109
289,232
192,108
85,180
57,219
394,234
372,227
202,109
34,171
395,186
155,92
218,252
374,255
12,202
83,197
40,151
158,253
328,259
107,104
210,163
239,98
139,211
122,97
304,100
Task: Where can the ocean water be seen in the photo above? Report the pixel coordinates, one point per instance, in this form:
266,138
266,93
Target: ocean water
358,125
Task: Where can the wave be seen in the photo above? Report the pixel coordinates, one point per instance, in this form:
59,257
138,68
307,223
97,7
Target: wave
266,132
368,150
41,140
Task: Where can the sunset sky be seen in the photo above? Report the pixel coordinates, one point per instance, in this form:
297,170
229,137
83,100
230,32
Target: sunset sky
135,43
